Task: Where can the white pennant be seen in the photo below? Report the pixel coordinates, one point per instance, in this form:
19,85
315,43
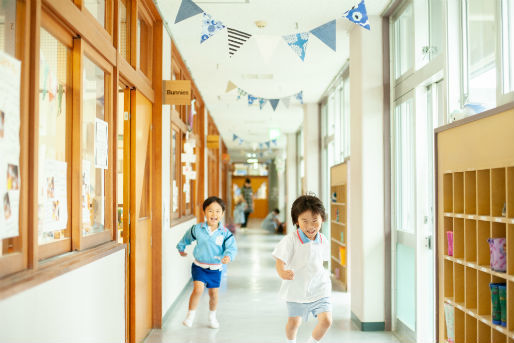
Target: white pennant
267,45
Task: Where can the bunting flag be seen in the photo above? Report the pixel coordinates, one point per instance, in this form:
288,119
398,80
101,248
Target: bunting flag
240,141
236,39
261,154
274,103
327,34
187,9
251,99
260,146
274,141
234,137
286,101
358,15
267,45
240,93
268,144
262,102
299,97
230,86
298,42
210,27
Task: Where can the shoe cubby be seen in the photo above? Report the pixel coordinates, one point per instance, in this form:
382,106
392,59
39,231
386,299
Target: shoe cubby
510,307
470,236
484,294
484,333
458,192
483,192
448,226
448,279
498,198
483,233
339,223
448,192
459,281
458,237
510,247
471,289
498,337
471,329
510,192
470,192
460,326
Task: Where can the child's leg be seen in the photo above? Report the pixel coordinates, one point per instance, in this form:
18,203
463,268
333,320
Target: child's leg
213,298
293,323
324,322
196,294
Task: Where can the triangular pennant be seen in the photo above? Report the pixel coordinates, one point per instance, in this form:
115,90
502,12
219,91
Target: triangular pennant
358,15
261,154
268,144
234,137
262,102
187,9
299,97
210,27
240,141
267,45
230,86
251,99
298,42
274,103
286,101
236,39
260,145
274,141
327,34
240,93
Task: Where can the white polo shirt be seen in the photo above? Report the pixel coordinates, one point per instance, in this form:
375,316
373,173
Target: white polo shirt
305,258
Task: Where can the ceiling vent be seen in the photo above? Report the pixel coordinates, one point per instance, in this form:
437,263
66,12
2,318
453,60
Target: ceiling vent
257,76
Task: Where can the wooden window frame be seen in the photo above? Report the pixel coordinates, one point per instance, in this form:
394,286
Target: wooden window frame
107,31
128,43
176,166
145,53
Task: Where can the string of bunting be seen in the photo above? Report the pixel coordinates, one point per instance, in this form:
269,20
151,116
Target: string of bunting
263,101
240,141
297,42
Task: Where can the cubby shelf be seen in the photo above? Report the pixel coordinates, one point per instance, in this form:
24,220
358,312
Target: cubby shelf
339,223
338,203
338,242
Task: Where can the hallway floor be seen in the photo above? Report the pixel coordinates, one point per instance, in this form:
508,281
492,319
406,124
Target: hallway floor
250,309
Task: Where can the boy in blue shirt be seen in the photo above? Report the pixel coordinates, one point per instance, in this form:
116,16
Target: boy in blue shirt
215,246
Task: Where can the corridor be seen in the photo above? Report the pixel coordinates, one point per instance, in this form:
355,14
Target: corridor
250,309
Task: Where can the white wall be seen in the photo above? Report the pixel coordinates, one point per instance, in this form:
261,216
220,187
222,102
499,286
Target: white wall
312,148
367,173
291,176
84,305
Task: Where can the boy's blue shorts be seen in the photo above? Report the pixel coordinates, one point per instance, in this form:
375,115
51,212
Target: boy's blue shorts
211,278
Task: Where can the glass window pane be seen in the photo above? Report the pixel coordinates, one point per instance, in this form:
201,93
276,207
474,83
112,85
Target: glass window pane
346,120
174,174
8,27
508,45
94,131
124,29
481,55
436,27
406,285
97,9
403,52
54,90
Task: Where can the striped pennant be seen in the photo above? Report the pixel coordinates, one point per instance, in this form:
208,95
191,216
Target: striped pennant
236,39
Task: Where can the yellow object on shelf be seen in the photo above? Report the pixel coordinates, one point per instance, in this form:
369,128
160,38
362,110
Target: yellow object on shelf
342,256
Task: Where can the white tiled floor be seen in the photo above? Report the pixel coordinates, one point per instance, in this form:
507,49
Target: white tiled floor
250,309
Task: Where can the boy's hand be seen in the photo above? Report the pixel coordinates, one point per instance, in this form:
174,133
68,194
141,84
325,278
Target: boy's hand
287,275
183,253
225,260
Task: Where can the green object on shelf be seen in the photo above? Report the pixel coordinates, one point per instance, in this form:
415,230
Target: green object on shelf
495,299
502,292
342,237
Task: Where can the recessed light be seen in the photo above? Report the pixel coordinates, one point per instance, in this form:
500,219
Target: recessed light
261,24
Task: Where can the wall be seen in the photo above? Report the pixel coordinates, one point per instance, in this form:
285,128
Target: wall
84,305
292,175
367,175
312,148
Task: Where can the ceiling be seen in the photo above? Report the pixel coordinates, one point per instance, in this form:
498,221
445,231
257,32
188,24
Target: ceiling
278,73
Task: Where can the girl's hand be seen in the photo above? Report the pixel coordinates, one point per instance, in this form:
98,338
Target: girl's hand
183,253
225,260
287,275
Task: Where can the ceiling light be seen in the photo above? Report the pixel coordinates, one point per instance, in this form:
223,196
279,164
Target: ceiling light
252,160
261,24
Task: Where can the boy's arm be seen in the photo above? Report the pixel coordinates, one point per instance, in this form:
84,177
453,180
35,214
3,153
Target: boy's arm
230,249
284,274
187,239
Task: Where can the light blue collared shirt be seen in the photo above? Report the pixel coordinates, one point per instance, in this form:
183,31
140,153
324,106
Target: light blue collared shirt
211,247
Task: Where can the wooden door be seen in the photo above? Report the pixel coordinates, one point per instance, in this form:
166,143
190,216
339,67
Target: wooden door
140,218
260,189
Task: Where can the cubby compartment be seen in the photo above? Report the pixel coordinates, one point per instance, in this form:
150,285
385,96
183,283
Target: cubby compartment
460,326
510,249
498,198
510,192
484,333
448,279
510,306
458,192
471,329
459,279
448,192
484,233
483,192
471,288
470,192
458,237
499,337
484,299
448,226
470,245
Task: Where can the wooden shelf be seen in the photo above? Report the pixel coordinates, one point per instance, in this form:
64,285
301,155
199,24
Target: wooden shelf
338,242
338,222
338,203
338,262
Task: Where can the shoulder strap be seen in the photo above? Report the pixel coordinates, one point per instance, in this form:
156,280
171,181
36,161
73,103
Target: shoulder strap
226,239
193,232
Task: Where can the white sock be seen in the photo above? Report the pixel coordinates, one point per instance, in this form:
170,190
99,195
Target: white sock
291,340
212,314
312,340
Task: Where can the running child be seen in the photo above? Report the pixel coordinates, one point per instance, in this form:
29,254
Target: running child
299,256
215,246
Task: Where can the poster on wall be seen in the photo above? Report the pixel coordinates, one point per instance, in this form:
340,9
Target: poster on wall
175,196
9,145
101,144
55,206
86,191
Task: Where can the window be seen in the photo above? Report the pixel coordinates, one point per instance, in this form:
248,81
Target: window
144,42
403,42
508,45
54,165
345,118
97,9
175,172
124,28
435,10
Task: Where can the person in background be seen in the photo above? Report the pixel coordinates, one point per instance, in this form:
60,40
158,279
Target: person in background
239,212
272,222
247,193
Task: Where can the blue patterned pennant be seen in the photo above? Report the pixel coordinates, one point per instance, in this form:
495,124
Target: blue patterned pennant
234,137
274,141
298,42
260,145
327,34
262,102
187,9
251,99
240,141
274,103
268,144
358,15
299,97
210,27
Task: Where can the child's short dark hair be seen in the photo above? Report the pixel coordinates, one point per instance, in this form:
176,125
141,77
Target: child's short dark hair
307,203
276,210
212,199
247,180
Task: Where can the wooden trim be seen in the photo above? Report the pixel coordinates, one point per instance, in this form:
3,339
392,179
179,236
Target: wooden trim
133,33
12,263
177,121
20,282
50,24
97,58
488,113
96,238
136,79
54,248
182,220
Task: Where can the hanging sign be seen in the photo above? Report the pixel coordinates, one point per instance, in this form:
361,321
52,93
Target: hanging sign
176,92
213,141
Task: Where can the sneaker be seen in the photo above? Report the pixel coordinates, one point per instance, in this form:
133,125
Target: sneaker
213,323
188,322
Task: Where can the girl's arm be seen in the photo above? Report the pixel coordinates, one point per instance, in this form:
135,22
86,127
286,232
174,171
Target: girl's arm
187,239
284,274
230,249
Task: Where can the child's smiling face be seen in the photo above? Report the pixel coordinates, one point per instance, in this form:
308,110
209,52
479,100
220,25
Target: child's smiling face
213,214
310,223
